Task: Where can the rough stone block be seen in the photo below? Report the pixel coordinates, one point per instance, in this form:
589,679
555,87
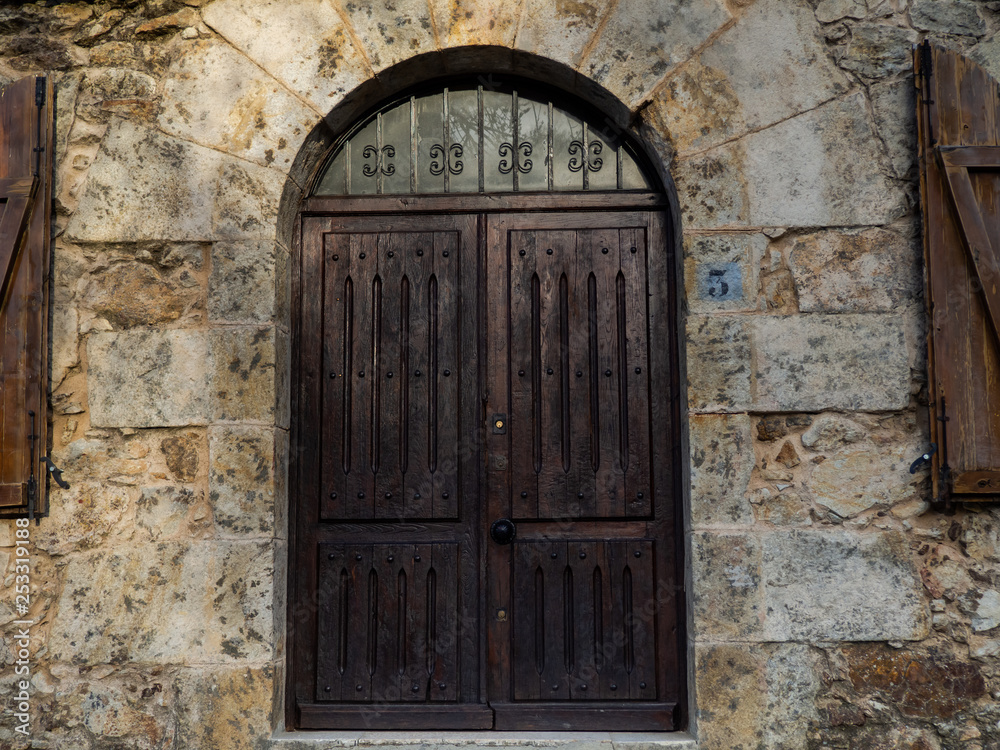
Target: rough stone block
718,363
392,30
640,43
721,271
851,483
315,57
462,22
809,363
948,17
171,512
836,173
871,270
894,104
226,709
82,517
731,697
215,96
243,374
726,578
131,294
146,378
722,460
241,480
878,51
828,11
148,186
840,586
243,285
766,68
559,31
709,191
174,602
793,672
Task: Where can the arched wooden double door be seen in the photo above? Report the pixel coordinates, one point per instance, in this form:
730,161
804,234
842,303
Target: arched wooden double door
484,494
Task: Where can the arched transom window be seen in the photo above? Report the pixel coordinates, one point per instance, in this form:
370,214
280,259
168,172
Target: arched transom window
479,139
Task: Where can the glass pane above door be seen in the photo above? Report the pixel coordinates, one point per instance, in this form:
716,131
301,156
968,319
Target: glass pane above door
476,139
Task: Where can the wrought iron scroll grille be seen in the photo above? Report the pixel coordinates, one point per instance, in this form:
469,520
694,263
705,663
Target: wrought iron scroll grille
479,140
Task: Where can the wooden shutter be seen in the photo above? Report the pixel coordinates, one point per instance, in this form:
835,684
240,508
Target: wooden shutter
958,114
25,205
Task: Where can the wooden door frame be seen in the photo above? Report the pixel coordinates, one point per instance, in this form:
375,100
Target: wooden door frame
619,201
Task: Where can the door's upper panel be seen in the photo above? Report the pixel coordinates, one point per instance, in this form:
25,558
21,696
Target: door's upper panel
479,139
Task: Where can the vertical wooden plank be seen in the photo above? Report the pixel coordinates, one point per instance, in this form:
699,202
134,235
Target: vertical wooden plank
417,483
584,681
603,245
557,629
451,372
615,675
384,661
528,625
333,606
523,421
462,564
335,374
388,494
362,631
553,254
445,651
498,558
361,485
585,378
633,319
641,620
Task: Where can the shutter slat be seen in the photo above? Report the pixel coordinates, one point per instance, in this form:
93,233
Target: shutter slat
17,197
959,149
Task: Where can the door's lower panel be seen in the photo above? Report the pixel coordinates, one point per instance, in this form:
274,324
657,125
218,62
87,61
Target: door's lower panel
374,716
584,620
587,717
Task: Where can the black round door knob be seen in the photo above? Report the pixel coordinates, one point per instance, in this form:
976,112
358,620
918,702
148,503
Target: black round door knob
503,531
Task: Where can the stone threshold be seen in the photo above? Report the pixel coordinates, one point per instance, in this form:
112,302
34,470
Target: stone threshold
471,740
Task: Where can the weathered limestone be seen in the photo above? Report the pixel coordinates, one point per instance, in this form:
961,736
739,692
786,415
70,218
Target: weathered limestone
242,480
812,184
249,366
148,378
872,270
726,571
768,67
147,186
877,50
840,586
721,463
391,31
559,31
641,43
718,363
731,697
244,286
851,482
214,96
951,17
798,363
177,602
809,363
461,22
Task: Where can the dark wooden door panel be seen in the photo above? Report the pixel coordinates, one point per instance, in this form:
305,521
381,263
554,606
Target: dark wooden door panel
394,375
387,538
584,621
388,623
579,417
583,606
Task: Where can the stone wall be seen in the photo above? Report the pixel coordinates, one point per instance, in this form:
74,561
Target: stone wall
829,607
